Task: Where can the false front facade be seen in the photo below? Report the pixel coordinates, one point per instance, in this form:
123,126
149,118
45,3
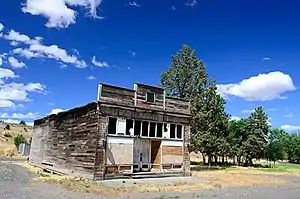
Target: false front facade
124,133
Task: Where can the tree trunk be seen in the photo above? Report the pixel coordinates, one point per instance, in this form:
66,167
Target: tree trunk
223,159
203,158
216,159
239,160
209,160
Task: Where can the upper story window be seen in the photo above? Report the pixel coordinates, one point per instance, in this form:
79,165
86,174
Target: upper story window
150,97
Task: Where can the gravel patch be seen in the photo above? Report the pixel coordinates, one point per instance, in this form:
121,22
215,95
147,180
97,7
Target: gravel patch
15,183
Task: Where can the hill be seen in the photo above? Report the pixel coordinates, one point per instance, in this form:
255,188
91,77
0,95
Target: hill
7,148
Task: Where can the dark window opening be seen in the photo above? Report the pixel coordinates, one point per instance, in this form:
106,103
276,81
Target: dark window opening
179,131
145,128
159,130
152,129
172,131
150,97
137,127
112,125
129,125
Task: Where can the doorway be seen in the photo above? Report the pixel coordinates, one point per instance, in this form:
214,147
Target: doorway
141,154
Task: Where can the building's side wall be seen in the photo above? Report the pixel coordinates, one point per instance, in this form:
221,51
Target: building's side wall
68,142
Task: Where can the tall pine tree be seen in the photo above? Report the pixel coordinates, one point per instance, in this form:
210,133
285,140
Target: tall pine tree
257,129
187,78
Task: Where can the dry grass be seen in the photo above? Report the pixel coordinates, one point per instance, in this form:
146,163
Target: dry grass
217,179
7,148
244,177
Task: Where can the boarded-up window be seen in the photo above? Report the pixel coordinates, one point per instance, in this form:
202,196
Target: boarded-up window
129,127
121,126
159,130
172,131
145,128
152,129
179,131
137,127
112,125
150,97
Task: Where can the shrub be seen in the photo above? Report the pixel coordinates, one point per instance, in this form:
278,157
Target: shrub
8,135
7,127
19,139
22,122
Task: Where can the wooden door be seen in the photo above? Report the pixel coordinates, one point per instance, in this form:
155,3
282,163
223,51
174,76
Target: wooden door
141,154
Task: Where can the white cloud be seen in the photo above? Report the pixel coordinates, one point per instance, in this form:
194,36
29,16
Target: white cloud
247,111
191,3
5,74
289,115
91,77
16,38
6,103
1,27
133,53
36,49
50,104
235,118
134,3
59,12
59,54
288,127
14,121
272,109
26,53
56,110
98,63
29,115
266,59
262,87
15,63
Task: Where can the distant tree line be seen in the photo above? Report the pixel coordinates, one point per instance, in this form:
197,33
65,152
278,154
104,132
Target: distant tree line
213,133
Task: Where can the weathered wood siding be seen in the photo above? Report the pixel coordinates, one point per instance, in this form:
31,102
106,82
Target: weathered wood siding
117,95
142,90
69,141
137,98
177,105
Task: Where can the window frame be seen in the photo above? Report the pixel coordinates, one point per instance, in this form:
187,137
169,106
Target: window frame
153,97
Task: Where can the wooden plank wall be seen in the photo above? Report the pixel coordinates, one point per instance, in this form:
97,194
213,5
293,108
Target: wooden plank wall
141,91
117,95
70,141
177,105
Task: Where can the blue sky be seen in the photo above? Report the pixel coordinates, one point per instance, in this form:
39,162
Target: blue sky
54,52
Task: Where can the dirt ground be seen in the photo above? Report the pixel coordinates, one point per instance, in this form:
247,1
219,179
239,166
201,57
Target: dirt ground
17,182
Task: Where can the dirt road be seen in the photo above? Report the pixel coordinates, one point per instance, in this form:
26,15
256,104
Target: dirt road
15,184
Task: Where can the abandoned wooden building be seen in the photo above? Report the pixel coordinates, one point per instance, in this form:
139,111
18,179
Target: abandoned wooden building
124,132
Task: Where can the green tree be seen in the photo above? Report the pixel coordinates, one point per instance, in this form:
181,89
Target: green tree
19,139
187,78
237,135
275,149
211,126
257,129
